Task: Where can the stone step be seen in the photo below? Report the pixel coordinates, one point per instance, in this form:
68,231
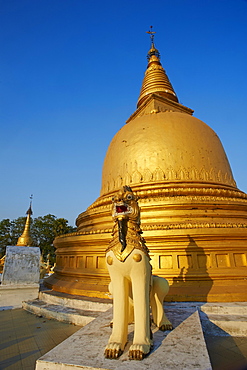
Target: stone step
60,312
74,301
235,325
225,318
231,308
224,325
64,307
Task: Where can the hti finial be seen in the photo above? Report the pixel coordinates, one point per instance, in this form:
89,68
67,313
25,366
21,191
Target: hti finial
151,33
29,211
153,50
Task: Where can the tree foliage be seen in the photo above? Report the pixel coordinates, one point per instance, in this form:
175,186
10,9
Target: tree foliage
43,231
5,232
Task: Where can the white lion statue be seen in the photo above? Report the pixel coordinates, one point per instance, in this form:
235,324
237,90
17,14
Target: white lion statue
133,287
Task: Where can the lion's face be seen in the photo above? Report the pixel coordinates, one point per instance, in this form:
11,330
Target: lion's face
124,204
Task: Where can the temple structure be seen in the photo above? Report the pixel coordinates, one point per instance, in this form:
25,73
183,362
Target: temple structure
25,238
193,216
21,270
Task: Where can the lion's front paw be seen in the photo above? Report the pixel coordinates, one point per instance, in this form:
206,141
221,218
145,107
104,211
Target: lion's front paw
113,350
138,351
167,325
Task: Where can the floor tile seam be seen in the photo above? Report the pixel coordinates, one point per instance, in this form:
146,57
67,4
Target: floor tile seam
8,339
43,339
52,334
232,355
23,331
242,345
40,346
6,323
242,350
23,324
10,359
221,348
13,336
6,365
5,330
225,346
9,350
27,368
23,338
240,339
27,346
30,357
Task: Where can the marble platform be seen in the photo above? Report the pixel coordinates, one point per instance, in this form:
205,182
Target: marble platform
12,296
182,348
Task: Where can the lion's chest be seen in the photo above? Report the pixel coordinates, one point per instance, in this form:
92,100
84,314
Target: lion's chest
133,241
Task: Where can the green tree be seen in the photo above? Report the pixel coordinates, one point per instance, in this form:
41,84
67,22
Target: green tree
5,235
43,231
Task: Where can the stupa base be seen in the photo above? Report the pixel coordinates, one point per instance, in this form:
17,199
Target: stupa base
234,290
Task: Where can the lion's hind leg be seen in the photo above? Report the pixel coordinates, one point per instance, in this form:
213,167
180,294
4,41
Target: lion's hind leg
160,288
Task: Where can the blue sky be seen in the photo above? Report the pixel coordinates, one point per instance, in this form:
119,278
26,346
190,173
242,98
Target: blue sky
70,76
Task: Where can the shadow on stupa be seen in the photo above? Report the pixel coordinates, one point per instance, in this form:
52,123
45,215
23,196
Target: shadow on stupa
193,282
192,288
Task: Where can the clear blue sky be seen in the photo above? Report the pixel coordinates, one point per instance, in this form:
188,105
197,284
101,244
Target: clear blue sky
70,76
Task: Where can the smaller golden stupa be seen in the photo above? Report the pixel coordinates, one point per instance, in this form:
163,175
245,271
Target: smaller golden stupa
25,239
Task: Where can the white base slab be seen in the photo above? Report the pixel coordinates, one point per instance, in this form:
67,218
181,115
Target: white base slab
183,348
12,296
21,265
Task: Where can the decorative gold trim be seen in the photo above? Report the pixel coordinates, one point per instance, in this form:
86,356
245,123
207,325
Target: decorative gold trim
167,192
169,175
170,226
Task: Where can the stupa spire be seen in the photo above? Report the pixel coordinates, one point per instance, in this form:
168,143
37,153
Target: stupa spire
155,79
25,238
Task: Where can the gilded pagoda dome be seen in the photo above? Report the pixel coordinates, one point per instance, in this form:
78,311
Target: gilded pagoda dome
162,141
165,147
193,216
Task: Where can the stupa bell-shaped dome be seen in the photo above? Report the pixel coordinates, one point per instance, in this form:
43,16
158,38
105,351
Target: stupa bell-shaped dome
162,141
165,147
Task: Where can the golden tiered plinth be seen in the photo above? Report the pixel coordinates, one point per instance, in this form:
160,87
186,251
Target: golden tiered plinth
193,217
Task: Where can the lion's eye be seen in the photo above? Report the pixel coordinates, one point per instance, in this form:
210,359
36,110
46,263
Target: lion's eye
113,199
129,197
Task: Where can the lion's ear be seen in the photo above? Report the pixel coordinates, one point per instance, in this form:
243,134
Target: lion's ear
127,188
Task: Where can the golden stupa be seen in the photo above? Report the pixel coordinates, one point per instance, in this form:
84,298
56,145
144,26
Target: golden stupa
193,216
25,239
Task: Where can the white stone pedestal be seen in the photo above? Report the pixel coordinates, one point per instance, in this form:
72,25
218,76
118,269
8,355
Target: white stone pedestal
21,265
20,278
183,348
